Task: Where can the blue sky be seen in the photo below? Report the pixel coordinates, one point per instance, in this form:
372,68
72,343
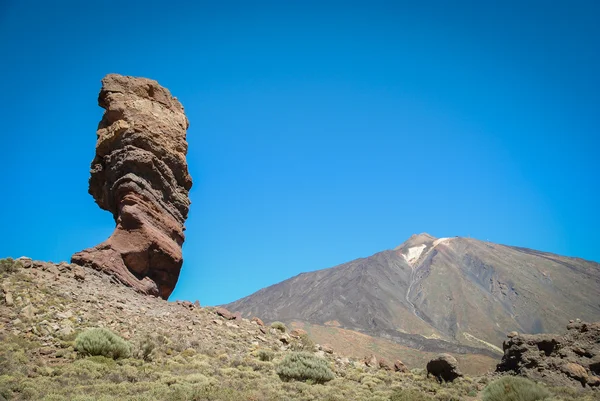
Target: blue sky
319,131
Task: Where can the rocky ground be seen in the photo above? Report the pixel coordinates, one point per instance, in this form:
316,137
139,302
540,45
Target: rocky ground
180,350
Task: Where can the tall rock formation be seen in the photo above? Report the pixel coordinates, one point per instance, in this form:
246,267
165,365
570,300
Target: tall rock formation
140,175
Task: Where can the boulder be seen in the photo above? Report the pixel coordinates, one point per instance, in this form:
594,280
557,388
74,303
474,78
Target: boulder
140,175
326,348
444,367
258,321
383,364
575,371
370,361
225,313
399,366
297,333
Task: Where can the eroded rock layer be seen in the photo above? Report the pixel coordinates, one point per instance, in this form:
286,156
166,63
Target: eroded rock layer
557,359
140,175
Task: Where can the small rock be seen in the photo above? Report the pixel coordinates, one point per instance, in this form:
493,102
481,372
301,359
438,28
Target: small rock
297,333
224,313
575,371
258,321
8,298
512,334
64,266
383,364
217,322
52,269
328,349
28,312
45,351
399,366
66,331
64,315
370,361
79,274
197,304
26,262
284,338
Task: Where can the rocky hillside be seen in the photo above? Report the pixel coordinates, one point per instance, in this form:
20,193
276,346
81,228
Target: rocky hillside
449,294
179,350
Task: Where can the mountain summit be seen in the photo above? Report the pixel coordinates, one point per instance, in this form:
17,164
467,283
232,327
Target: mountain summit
453,294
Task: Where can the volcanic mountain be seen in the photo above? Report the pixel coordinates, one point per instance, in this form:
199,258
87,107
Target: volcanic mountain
455,294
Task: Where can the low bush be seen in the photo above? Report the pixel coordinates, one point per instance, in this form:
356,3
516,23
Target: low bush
102,342
146,348
279,326
409,395
9,265
303,343
511,388
265,355
303,366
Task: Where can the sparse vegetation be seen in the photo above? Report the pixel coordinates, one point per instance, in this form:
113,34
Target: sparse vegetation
279,326
303,343
265,355
9,265
146,348
409,395
511,388
176,360
303,366
103,342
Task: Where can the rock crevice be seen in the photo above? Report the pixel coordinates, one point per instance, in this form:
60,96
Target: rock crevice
140,175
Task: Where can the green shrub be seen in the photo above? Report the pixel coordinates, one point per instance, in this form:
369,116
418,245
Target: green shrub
102,342
265,355
303,343
303,366
409,395
511,388
279,326
9,265
145,349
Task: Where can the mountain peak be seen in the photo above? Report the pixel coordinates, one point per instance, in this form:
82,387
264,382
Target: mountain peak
416,240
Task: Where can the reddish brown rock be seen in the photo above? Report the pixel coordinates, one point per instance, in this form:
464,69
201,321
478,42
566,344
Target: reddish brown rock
258,321
575,371
370,361
399,366
140,175
572,359
383,364
326,348
225,313
297,333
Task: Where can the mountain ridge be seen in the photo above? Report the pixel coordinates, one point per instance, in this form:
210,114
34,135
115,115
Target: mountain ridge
444,293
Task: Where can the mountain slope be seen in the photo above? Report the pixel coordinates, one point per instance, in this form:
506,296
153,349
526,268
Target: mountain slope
453,294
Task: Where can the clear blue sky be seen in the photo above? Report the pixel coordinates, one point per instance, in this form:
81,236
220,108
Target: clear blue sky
320,131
